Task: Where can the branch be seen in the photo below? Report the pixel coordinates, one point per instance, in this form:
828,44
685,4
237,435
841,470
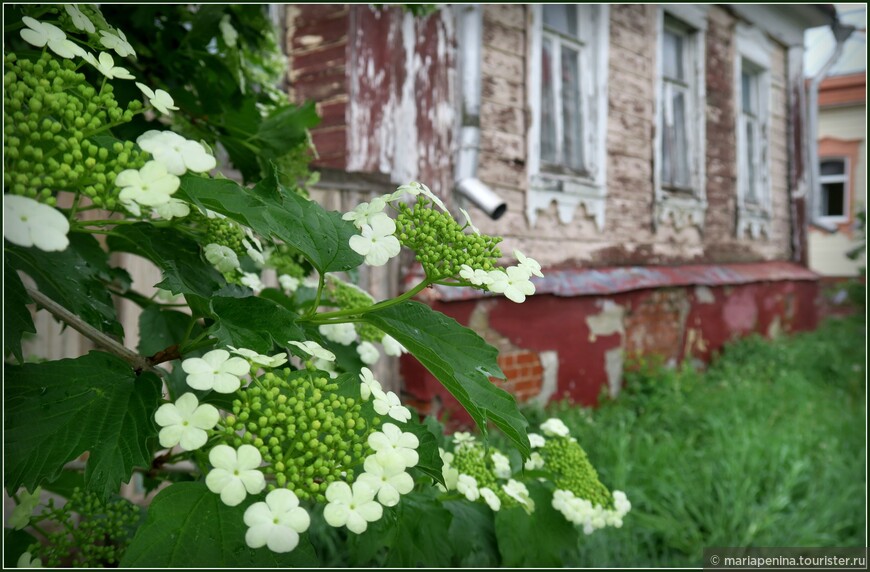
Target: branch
138,362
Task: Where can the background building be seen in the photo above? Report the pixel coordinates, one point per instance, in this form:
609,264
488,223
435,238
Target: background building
651,157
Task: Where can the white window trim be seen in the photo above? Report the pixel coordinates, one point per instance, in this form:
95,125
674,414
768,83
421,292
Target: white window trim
752,45
589,191
679,209
847,191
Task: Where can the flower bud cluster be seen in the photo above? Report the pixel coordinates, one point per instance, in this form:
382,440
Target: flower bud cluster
93,533
51,115
440,243
307,434
479,474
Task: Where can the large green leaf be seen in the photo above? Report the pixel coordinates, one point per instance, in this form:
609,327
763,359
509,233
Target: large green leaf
543,539
57,410
322,236
74,278
184,270
159,329
188,526
286,127
421,538
253,323
16,316
472,534
461,361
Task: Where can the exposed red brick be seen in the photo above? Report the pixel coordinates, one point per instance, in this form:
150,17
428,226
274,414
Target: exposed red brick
334,54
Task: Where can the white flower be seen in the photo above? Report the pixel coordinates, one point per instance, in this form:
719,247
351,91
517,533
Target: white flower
385,473
30,223
277,522
252,281
276,360
26,560
621,503
518,491
513,282
175,208
106,66
256,254
79,20
221,257
451,478
324,365
311,281
463,439
368,353
392,347
150,186
476,276
185,422
117,42
364,212
215,370
376,241
314,349
536,441
352,508
235,473
229,33
343,334
369,385
467,485
501,466
470,224
391,438
534,462
414,188
491,498
159,99
554,427
389,404
22,512
528,264
40,34
288,283
176,153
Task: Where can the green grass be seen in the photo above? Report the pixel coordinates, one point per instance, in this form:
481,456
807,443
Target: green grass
765,448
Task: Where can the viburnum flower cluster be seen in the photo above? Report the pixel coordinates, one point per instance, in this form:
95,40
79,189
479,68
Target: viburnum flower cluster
441,245
291,434
51,114
486,475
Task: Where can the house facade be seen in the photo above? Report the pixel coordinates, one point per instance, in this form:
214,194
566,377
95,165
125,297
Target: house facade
650,157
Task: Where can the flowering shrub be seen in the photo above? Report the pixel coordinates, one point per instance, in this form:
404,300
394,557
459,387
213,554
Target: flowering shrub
249,406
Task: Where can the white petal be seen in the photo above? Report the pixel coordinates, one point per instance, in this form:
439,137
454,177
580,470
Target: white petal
258,535
170,436
193,438
236,366
205,417
217,479
234,493
282,539
371,511
224,457
201,381
168,414
336,514
254,481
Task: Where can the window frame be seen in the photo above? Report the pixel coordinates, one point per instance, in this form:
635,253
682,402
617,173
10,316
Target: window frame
547,183
847,191
683,206
753,54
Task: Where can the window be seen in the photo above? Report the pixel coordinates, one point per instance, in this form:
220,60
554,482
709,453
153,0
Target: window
752,126
568,99
833,181
680,116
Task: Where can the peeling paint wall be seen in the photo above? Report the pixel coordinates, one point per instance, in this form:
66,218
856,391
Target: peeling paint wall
629,237
579,346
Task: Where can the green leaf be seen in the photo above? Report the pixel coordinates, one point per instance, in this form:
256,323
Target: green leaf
189,526
57,410
16,316
430,459
420,533
15,543
160,329
542,539
472,534
461,361
271,211
72,278
184,270
286,127
253,323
